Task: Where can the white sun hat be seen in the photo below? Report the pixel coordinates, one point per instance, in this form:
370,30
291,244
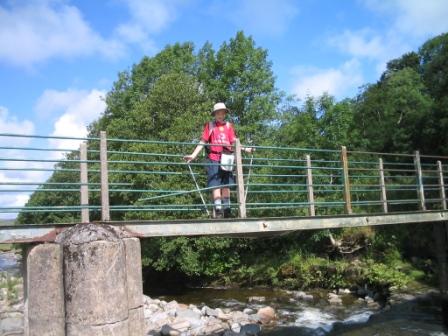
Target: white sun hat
219,106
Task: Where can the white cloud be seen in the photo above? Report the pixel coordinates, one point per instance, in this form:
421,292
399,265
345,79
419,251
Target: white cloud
413,21
268,17
414,17
368,44
52,101
339,82
147,17
10,124
78,108
35,31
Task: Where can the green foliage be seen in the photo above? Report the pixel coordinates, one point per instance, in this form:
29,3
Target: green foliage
169,96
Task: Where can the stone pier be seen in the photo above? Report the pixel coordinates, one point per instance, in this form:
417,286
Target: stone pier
89,283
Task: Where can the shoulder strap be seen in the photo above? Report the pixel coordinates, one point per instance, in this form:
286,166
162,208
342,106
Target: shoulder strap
211,127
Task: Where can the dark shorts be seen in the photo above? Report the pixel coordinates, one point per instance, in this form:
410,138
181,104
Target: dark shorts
217,177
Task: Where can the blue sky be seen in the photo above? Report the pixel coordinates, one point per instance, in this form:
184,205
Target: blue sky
58,58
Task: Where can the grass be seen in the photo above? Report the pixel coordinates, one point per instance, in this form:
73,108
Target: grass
10,283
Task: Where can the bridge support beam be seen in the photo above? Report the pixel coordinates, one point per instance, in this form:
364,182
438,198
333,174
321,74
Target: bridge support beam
88,283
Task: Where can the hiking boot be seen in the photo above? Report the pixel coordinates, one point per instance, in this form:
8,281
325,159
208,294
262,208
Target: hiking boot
227,213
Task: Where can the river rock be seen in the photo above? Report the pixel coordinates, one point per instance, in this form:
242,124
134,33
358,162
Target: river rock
257,299
207,311
171,305
334,299
169,331
266,314
344,291
235,327
188,314
11,323
300,295
248,311
250,330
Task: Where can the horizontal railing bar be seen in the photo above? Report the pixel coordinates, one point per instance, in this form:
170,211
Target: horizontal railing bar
151,172
49,160
297,149
378,153
293,203
365,190
12,135
182,193
157,142
398,163
322,205
140,153
62,183
41,169
294,184
40,149
363,162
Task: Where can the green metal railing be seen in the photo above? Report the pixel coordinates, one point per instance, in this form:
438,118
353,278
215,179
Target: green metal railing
110,178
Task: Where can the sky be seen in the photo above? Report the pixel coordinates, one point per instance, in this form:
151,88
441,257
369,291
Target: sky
58,58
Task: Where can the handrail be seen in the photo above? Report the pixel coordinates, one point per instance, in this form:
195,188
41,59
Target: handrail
284,179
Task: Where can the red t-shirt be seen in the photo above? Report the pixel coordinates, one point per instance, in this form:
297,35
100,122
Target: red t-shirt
222,134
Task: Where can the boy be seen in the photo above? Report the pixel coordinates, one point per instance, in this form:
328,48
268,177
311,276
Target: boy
222,134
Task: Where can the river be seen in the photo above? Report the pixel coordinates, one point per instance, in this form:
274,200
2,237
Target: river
317,317
314,317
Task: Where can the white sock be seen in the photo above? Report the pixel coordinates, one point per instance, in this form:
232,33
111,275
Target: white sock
218,203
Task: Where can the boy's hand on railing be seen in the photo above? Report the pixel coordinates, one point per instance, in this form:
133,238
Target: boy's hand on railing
189,158
249,150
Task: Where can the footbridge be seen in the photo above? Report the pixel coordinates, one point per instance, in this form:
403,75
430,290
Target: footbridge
90,206
144,187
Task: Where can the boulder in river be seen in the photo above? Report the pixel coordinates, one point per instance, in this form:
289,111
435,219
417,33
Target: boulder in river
266,314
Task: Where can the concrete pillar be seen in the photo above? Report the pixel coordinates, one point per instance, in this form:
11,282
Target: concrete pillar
96,301
88,283
135,286
44,293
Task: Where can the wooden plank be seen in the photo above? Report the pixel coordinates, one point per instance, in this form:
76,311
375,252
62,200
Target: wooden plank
420,189
240,180
347,195
383,186
84,187
309,185
105,210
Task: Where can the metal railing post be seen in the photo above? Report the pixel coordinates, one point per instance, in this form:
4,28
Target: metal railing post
441,185
420,190
383,186
347,195
309,186
84,187
105,210
240,180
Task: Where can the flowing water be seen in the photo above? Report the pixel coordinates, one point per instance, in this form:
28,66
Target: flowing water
309,318
317,317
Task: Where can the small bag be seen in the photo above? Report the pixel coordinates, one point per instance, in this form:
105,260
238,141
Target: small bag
227,161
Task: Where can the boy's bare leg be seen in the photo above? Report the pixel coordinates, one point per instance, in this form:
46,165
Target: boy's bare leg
217,200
